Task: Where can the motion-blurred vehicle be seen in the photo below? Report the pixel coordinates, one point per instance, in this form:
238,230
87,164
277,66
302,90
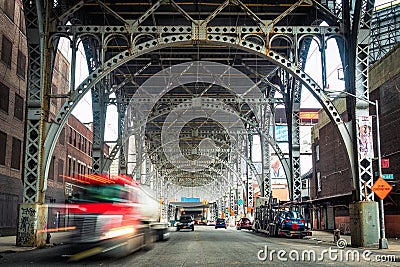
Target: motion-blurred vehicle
185,222
113,215
244,223
220,223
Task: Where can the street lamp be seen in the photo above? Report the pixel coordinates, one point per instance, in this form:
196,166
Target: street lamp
383,243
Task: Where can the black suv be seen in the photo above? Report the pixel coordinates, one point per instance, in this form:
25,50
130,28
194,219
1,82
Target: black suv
185,222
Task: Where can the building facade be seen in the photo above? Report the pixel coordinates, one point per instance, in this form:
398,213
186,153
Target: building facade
13,63
331,182
72,155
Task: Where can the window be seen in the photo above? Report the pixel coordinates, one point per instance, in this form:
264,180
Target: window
22,25
74,138
9,8
69,167
62,137
84,144
60,170
4,97
70,135
51,170
19,107
16,154
3,145
319,186
21,65
317,153
79,141
6,51
73,167
304,184
79,169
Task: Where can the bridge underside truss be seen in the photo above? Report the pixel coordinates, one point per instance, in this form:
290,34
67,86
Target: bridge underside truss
145,52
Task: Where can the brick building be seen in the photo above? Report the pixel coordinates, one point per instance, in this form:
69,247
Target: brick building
72,154
59,87
13,62
331,183
79,149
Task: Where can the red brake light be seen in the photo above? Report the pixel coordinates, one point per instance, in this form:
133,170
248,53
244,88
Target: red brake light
302,221
286,221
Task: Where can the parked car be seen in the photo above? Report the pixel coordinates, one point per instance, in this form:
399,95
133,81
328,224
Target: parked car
220,223
185,222
290,223
244,223
290,220
210,223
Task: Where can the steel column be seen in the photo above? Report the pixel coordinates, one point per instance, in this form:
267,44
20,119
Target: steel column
99,98
38,89
362,91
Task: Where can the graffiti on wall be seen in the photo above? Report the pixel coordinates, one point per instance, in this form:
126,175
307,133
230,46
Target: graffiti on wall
26,225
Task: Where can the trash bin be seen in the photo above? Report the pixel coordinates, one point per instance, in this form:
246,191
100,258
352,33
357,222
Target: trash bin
336,235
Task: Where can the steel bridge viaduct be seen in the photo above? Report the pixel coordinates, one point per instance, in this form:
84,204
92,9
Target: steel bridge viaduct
193,82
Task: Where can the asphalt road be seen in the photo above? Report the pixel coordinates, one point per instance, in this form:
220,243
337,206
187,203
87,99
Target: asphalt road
207,246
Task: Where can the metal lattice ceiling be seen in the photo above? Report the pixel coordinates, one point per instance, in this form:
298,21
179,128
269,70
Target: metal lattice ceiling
177,17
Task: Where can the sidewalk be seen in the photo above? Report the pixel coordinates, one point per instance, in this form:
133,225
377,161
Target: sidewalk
327,237
7,243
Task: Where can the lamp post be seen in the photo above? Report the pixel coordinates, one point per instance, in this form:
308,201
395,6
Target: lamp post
383,243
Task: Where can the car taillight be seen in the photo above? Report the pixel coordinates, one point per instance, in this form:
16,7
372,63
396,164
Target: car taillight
302,221
286,221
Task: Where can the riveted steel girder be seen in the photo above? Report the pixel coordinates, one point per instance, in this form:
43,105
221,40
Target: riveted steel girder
96,75
214,136
357,19
39,77
362,21
99,119
142,39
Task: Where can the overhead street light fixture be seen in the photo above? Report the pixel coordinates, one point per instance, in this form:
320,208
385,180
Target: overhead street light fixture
383,243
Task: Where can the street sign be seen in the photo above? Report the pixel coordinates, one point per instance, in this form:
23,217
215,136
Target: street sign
388,176
385,163
381,188
240,201
68,189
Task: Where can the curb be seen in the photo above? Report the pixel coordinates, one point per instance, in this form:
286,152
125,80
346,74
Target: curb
14,250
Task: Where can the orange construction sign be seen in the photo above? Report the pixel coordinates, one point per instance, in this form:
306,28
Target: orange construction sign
381,188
